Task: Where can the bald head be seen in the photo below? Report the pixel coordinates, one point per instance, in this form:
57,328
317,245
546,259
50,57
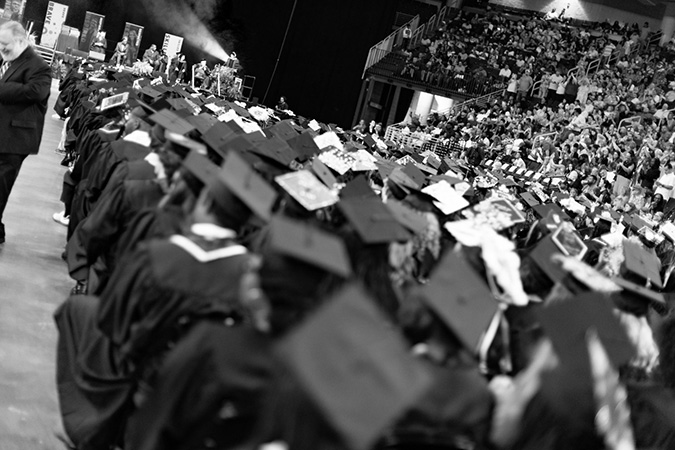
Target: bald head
13,40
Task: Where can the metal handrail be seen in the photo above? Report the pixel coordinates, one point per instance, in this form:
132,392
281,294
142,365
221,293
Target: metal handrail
378,51
418,141
486,97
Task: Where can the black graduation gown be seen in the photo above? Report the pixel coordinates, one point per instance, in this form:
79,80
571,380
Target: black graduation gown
209,391
134,189
105,347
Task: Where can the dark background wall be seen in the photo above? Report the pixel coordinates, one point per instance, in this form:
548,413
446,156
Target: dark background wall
320,68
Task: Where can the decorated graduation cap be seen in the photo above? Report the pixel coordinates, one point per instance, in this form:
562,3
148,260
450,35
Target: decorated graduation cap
461,299
373,221
354,366
309,244
246,184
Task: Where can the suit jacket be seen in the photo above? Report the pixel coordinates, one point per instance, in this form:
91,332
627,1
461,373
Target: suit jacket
24,92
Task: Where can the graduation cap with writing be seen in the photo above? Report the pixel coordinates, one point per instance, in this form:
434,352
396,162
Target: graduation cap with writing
171,121
309,244
461,299
641,264
250,187
356,368
373,221
307,190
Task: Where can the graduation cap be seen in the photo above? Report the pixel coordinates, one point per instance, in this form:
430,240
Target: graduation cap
636,299
238,109
386,167
124,78
357,188
373,221
283,130
150,94
202,168
183,142
309,244
202,122
567,322
304,145
171,121
550,208
220,133
179,103
250,187
354,366
307,190
529,199
641,263
323,173
274,149
408,217
461,299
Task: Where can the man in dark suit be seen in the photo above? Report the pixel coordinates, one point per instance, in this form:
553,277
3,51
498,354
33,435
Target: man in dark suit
25,83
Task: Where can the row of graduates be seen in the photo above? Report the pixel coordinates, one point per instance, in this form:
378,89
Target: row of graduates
213,311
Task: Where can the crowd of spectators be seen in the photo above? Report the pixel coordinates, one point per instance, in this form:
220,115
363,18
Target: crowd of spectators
617,121
478,53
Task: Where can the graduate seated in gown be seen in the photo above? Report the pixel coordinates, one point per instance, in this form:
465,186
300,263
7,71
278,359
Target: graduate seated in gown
109,347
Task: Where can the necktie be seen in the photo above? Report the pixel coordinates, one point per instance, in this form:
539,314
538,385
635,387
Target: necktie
3,69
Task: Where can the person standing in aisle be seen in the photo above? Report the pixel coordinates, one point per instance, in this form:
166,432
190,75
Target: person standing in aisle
25,83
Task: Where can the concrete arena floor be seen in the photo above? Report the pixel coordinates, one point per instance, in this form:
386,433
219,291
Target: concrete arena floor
33,282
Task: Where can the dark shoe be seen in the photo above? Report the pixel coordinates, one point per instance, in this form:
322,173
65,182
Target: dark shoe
2,240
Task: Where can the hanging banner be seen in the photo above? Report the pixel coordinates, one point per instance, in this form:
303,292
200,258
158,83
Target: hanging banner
92,25
54,20
172,45
14,10
133,33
